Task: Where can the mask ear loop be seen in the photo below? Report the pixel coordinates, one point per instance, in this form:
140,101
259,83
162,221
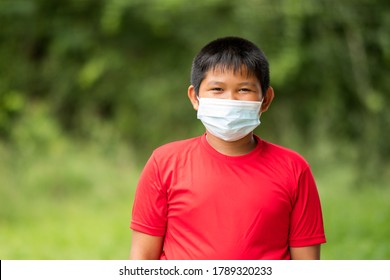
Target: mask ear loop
197,97
261,105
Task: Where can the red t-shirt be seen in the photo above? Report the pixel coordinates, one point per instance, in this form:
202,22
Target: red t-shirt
212,206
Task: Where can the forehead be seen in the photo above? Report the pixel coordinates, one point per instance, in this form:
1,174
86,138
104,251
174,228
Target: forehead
232,73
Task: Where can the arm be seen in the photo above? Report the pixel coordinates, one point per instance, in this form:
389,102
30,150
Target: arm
305,253
306,222
145,246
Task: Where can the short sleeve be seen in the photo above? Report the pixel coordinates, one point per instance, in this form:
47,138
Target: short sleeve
149,213
306,221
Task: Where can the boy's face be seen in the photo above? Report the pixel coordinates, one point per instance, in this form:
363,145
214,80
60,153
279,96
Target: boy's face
227,84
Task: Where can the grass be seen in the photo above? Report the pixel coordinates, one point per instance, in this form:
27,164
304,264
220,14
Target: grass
66,200
357,220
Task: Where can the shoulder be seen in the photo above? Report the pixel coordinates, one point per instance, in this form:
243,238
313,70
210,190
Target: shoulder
283,156
176,148
288,165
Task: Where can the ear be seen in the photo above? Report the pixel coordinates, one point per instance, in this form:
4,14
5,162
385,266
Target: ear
268,97
193,98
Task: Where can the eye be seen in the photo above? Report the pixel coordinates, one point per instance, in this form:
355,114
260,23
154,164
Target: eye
245,89
217,89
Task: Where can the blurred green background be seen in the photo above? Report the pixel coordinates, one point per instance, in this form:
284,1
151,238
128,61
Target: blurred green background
88,88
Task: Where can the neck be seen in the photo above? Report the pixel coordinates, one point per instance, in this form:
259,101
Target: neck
234,148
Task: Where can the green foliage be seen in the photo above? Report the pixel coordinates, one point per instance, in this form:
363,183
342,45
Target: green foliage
128,63
83,82
63,199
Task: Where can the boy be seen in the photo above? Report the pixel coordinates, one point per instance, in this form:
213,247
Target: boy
227,194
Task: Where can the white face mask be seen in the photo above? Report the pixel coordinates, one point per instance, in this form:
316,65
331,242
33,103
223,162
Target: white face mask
227,119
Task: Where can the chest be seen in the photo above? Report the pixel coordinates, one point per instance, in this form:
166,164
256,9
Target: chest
213,189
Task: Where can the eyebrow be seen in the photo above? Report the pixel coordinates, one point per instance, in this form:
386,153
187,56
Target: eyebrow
241,84
247,84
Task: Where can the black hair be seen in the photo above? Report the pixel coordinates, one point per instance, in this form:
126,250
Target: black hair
231,53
